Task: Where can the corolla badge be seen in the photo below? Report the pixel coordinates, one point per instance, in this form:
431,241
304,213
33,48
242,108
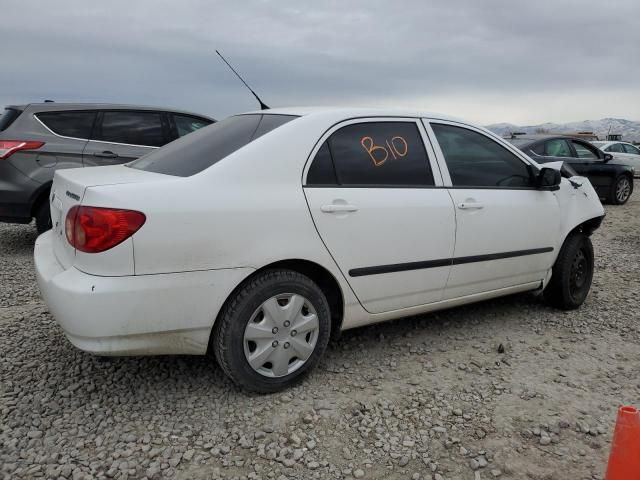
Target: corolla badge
73,195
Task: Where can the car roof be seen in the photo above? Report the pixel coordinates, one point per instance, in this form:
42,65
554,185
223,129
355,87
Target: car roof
55,106
355,112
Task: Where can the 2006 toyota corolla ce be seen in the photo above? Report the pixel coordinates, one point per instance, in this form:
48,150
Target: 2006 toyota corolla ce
258,236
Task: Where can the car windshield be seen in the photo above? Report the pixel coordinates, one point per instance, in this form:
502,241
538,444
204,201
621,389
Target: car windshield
197,151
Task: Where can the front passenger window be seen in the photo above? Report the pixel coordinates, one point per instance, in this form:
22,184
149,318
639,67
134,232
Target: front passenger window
474,160
583,151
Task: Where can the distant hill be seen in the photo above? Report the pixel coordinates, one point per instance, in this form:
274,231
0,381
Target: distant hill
629,129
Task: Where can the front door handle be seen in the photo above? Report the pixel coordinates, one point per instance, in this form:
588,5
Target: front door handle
105,154
338,208
470,205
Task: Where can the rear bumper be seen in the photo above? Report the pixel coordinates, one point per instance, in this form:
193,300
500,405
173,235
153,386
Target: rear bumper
133,315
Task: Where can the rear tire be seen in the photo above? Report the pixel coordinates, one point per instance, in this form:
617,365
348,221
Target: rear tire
621,190
43,216
272,331
572,273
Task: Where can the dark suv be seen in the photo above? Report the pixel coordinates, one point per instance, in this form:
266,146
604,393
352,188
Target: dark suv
38,138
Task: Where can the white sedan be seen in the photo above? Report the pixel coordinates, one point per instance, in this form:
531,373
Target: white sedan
623,153
259,236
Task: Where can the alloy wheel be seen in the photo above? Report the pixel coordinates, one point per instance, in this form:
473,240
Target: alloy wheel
623,190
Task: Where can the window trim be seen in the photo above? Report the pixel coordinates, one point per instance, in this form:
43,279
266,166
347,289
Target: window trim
435,171
529,163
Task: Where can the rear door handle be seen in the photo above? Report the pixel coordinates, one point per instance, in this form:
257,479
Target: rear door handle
338,208
105,154
470,205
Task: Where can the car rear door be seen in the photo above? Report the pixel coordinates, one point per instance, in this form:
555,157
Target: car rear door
121,136
377,201
507,230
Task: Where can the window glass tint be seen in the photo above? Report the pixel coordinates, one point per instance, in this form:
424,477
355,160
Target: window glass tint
270,122
631,149
380,153
8,117
558,147
186,124
322,171
201,149
584,151
135,128
69,124
538,149
474,160
615,148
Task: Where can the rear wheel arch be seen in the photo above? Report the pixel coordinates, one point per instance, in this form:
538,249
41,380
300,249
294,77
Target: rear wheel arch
316,272
39,196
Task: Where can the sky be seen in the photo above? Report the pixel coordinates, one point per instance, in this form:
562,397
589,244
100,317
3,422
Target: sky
488,61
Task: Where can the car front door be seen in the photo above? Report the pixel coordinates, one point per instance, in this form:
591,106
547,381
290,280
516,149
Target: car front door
376,198
506,228
121,136
589,161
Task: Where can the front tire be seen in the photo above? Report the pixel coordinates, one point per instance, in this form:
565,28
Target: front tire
572,273
621,190
272,331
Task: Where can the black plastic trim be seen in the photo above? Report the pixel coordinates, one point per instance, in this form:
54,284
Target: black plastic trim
403,267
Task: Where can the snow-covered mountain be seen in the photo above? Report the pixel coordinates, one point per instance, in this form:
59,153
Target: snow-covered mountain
629,129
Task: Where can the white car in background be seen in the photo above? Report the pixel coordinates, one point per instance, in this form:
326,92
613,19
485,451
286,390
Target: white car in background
624,153
258,237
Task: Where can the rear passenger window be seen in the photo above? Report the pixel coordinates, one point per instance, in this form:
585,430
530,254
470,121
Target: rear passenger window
631,149
558,147
134,128
375,154
69,124
474,160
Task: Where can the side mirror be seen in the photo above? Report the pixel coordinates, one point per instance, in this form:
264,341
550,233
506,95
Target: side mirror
607,157
548,179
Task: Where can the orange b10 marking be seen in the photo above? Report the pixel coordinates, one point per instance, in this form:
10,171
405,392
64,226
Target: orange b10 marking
397,147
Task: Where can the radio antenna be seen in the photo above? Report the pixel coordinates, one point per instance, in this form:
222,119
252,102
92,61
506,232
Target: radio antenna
263,106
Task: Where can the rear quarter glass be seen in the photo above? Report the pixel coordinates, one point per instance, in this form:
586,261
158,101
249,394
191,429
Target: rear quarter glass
75,124
199,150
8,117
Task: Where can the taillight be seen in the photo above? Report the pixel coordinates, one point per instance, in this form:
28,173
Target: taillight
96,229
9,147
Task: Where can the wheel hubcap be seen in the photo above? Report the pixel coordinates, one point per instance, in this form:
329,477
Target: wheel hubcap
623,190
281,335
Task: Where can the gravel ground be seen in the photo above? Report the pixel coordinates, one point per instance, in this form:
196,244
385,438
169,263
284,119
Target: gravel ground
430,397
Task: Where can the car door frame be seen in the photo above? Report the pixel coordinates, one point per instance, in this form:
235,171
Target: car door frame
548,252
438,185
